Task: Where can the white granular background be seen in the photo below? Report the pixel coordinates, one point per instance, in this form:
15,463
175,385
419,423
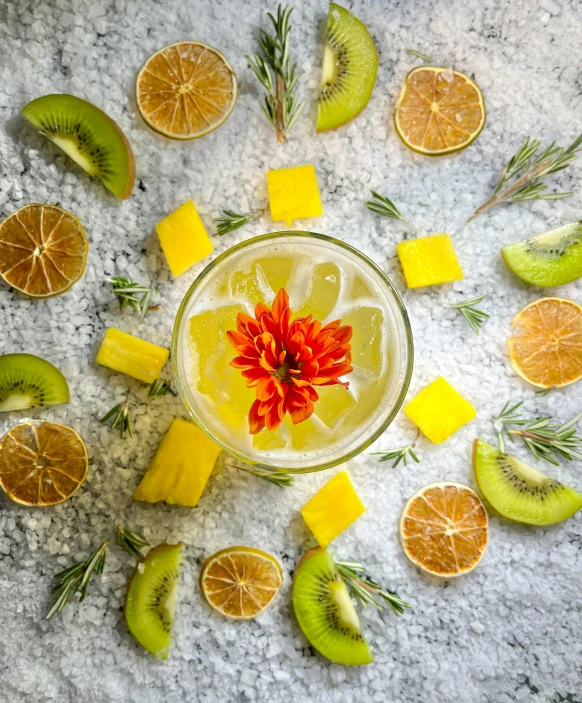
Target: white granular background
509,631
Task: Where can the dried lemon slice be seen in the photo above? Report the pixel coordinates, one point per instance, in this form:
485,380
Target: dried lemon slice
186,90
240,582
42,463
43,250
439,111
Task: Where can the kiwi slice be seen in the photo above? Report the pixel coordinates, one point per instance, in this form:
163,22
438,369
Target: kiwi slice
550,259
325,611
519,492
27,381
151,599
88,136
350,62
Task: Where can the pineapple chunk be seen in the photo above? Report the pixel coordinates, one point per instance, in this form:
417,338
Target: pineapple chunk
183,238
293,194
127,354
332,509
428,261
181,468
439,411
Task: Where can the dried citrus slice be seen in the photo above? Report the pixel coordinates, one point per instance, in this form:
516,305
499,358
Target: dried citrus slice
546,349
444,529
439,111
42,463
240,582
43,250
186,90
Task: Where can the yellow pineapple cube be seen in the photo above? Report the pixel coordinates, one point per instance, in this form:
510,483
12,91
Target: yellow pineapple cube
127,354
439,411
181,468
183,238
333,509
428,261
293,194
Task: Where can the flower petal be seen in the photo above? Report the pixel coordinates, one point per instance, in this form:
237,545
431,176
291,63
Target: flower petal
256,422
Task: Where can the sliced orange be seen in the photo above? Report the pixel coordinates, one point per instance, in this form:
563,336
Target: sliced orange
546,349
43,250
186,90
240,582
42,463
444,529
439,111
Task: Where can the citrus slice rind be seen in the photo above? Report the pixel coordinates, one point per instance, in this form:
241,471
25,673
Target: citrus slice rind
439,111
43,250
546,348
444,529
186,90
240,582
42,463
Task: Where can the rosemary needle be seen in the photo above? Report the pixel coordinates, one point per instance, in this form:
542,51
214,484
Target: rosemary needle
366,592
412,52
229,221
383,206
120,416
159,388
131,541
131,294
473,315
276,477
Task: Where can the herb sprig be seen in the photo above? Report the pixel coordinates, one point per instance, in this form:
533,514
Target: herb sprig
131,541
413,52
120,416
529,169
545,439
367,592
277,477
158,388
277,72
383,206
131,294
229,221
473,315
75,579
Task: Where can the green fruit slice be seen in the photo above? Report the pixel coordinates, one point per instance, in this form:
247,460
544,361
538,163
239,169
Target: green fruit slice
550,259
27,381
151,599
519,492
350,62
86,134
325,611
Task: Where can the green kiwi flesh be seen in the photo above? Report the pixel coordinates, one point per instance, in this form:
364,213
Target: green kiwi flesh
27,381
151,599
350,63
325,611
86,134
550,259
519,492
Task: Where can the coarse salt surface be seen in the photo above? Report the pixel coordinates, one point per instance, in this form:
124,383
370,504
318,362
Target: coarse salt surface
510,630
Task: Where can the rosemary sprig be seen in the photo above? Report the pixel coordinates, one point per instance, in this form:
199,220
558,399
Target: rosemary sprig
159,388
121,419
131,294
473,315
545,439
529,168
75,579
277,72
131,541
545,391
229,221
402,454
366,592
383,206
277,477
412,52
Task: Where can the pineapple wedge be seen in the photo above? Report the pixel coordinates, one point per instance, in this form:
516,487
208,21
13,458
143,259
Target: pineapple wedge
333,509
429,261
183,238
293,194
130,355
181,468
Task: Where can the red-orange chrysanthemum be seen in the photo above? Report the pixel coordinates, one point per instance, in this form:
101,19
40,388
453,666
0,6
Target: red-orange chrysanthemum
284,359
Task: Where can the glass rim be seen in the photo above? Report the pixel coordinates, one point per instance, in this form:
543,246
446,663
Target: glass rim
404,320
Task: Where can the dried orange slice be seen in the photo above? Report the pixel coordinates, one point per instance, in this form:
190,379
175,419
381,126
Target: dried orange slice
444,529
240,582
43,250
186,90
42,463
546,349
439,111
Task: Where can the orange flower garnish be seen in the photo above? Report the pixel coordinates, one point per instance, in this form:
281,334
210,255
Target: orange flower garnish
284,359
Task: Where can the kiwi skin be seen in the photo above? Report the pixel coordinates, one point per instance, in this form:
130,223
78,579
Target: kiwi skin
35,111
13,371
